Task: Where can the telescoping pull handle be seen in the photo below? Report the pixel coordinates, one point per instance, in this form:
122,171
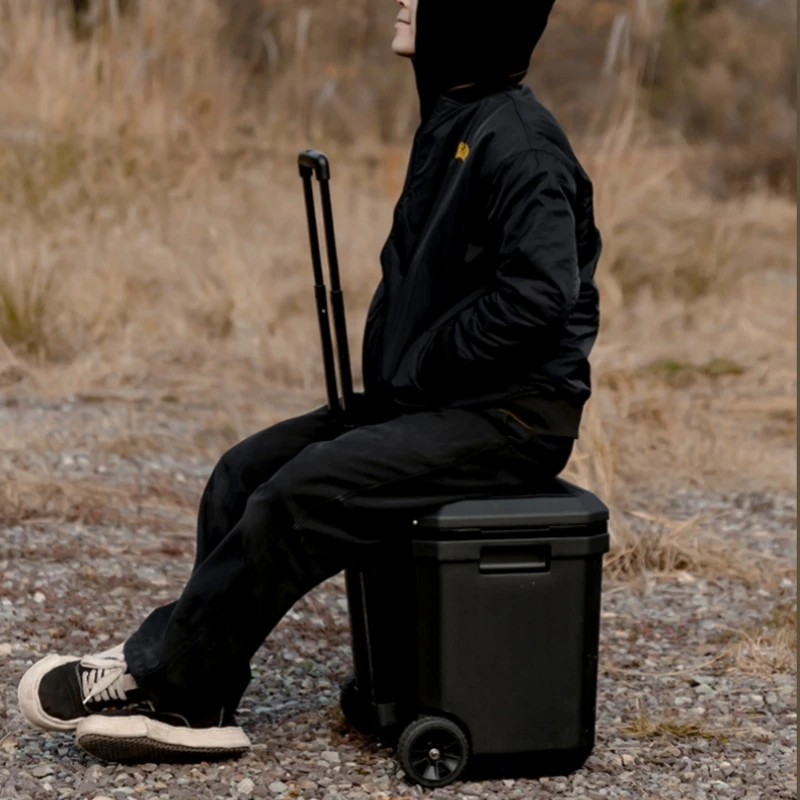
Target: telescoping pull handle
311,163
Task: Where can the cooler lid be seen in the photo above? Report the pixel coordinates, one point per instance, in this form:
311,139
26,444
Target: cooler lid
557,504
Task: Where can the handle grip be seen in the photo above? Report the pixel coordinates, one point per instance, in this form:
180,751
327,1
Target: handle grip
313,161
505,560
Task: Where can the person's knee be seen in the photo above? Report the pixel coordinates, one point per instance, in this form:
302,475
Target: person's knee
293,492
289,511
281,494
255,459
232,465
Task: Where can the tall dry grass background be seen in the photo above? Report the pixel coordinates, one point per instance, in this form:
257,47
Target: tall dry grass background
153,246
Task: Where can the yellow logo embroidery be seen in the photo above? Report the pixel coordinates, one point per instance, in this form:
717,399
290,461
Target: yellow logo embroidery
463,151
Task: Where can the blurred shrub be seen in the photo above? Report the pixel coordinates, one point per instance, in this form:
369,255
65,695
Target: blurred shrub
726,72
191,72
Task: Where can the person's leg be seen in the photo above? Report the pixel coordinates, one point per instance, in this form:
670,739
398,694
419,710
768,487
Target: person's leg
59,690
331,505
237,474
249,464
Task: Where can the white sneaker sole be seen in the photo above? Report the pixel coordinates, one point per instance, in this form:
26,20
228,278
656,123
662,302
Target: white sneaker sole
28,695
141,739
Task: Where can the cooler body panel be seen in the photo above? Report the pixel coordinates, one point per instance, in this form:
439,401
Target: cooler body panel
512,656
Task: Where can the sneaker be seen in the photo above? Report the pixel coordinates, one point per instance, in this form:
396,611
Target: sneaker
57,692
144,735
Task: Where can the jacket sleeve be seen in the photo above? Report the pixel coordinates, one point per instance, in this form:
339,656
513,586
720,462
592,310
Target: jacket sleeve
536,284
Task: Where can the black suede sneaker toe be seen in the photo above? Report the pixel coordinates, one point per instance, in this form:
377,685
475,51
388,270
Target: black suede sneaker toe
58,691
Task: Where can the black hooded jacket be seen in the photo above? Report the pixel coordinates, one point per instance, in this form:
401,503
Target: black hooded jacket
488,296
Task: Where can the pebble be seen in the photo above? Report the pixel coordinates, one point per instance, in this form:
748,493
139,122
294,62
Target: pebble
278,787
245,786
42,771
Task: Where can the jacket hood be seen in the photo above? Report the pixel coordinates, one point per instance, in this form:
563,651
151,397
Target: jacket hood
487,42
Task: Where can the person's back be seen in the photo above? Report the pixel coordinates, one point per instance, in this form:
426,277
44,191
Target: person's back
488,296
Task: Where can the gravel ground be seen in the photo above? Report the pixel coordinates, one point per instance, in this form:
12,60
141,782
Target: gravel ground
685,709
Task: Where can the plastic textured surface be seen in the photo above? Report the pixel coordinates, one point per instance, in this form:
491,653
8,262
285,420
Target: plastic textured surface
559,503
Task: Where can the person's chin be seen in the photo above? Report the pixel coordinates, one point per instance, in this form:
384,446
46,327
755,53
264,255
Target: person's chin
400,48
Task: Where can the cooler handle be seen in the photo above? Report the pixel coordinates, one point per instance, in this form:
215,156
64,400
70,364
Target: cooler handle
507,560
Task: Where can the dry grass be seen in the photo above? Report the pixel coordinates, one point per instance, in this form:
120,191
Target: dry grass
672,726
154,255
706,80
161,80
770,647
670,547
32,497
27,498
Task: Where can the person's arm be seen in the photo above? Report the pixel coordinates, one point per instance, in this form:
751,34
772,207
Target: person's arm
536,285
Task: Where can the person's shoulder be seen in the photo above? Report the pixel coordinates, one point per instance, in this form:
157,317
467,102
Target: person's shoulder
520,124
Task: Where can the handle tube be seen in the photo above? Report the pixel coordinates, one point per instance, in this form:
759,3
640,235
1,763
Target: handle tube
314,162
321,298
337,298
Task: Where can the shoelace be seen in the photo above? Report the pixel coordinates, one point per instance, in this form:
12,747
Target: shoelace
103,679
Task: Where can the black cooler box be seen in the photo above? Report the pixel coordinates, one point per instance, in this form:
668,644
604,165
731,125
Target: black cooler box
479,645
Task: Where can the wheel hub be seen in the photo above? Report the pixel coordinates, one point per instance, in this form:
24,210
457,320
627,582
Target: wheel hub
436,756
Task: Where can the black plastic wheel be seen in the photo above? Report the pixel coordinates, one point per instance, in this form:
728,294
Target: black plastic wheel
433,751
353,709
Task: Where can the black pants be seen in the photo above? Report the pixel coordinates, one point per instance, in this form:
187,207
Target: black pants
296,504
